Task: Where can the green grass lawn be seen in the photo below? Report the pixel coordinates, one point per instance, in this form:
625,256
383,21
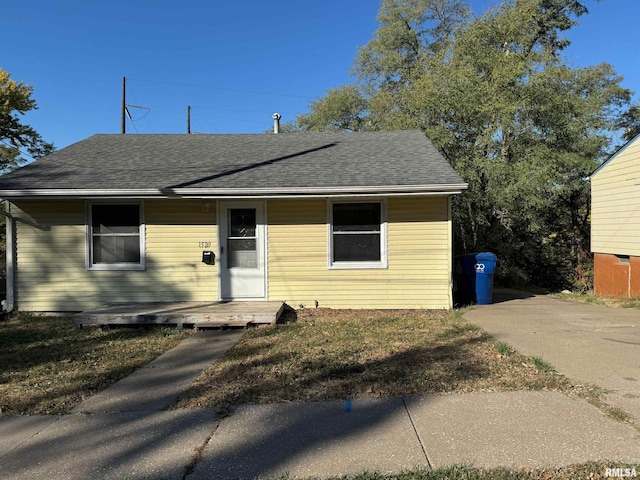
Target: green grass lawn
48,365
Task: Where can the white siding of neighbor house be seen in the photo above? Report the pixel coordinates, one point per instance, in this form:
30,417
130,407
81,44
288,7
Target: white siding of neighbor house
615,203
51,274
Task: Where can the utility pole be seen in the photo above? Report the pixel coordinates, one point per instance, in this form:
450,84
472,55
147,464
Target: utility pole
188,118
123,122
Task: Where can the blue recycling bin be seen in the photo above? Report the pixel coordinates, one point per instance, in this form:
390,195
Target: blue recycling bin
484,267
474,278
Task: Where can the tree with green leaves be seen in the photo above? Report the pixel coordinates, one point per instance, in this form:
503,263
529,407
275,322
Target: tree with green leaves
527,131
15,136
342,109
410,31
629,122
498,99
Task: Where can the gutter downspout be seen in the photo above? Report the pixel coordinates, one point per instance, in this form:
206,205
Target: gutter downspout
9,304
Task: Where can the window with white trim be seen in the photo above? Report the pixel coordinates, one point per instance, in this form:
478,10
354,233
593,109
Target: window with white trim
115,237
357,231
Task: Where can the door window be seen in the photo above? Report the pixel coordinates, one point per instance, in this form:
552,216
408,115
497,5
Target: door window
242,239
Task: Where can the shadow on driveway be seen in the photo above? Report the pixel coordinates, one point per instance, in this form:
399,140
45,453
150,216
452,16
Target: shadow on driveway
501,295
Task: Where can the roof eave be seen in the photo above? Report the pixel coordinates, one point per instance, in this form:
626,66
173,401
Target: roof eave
448,189
614,155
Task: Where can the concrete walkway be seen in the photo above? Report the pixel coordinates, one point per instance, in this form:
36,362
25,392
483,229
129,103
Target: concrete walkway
512,429
587,343
123,432
135,445
159,383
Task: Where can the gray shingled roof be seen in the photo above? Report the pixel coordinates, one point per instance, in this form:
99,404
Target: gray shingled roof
244,163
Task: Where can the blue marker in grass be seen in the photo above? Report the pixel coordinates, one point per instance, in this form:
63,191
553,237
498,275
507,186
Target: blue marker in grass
347,407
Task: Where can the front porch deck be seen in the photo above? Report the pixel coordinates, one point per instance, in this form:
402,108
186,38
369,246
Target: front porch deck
192,314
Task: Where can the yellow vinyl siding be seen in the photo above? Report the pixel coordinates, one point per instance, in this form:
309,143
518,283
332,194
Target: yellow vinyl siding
615,204
419,257
174,230
51,273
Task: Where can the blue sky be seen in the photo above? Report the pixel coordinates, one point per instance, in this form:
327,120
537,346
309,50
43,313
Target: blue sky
235,63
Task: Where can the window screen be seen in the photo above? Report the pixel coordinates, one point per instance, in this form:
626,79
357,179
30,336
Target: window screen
115,234
356,232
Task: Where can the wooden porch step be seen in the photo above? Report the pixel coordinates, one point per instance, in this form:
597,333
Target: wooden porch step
197,314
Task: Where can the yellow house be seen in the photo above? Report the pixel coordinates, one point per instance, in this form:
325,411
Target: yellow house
615,224
344,220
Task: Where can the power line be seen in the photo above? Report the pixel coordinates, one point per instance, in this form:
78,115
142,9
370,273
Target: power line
232,119
222,89
267,112
17,148
237,110
126,108
127,90
200,118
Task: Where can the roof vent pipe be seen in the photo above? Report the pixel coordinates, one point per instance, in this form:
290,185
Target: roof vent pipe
276,122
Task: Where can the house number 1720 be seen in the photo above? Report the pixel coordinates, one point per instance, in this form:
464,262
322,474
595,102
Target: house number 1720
204,244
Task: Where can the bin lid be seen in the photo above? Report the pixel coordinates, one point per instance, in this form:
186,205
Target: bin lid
486,256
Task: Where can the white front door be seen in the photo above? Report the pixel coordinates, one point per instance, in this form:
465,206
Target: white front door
242,250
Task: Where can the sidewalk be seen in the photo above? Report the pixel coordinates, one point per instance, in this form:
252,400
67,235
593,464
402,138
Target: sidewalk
122,433
512,429
138,445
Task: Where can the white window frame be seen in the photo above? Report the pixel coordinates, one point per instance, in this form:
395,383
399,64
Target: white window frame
89,238
383,262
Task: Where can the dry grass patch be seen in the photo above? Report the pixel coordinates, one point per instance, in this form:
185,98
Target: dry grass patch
336,354
592,471
48,365
597,300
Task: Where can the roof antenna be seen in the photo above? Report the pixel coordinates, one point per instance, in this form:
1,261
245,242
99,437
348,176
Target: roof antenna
276,122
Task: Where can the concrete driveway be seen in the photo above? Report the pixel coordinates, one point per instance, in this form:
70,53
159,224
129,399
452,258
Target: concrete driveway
587,343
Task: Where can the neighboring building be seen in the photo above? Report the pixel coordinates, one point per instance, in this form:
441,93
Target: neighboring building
615,223
353,220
